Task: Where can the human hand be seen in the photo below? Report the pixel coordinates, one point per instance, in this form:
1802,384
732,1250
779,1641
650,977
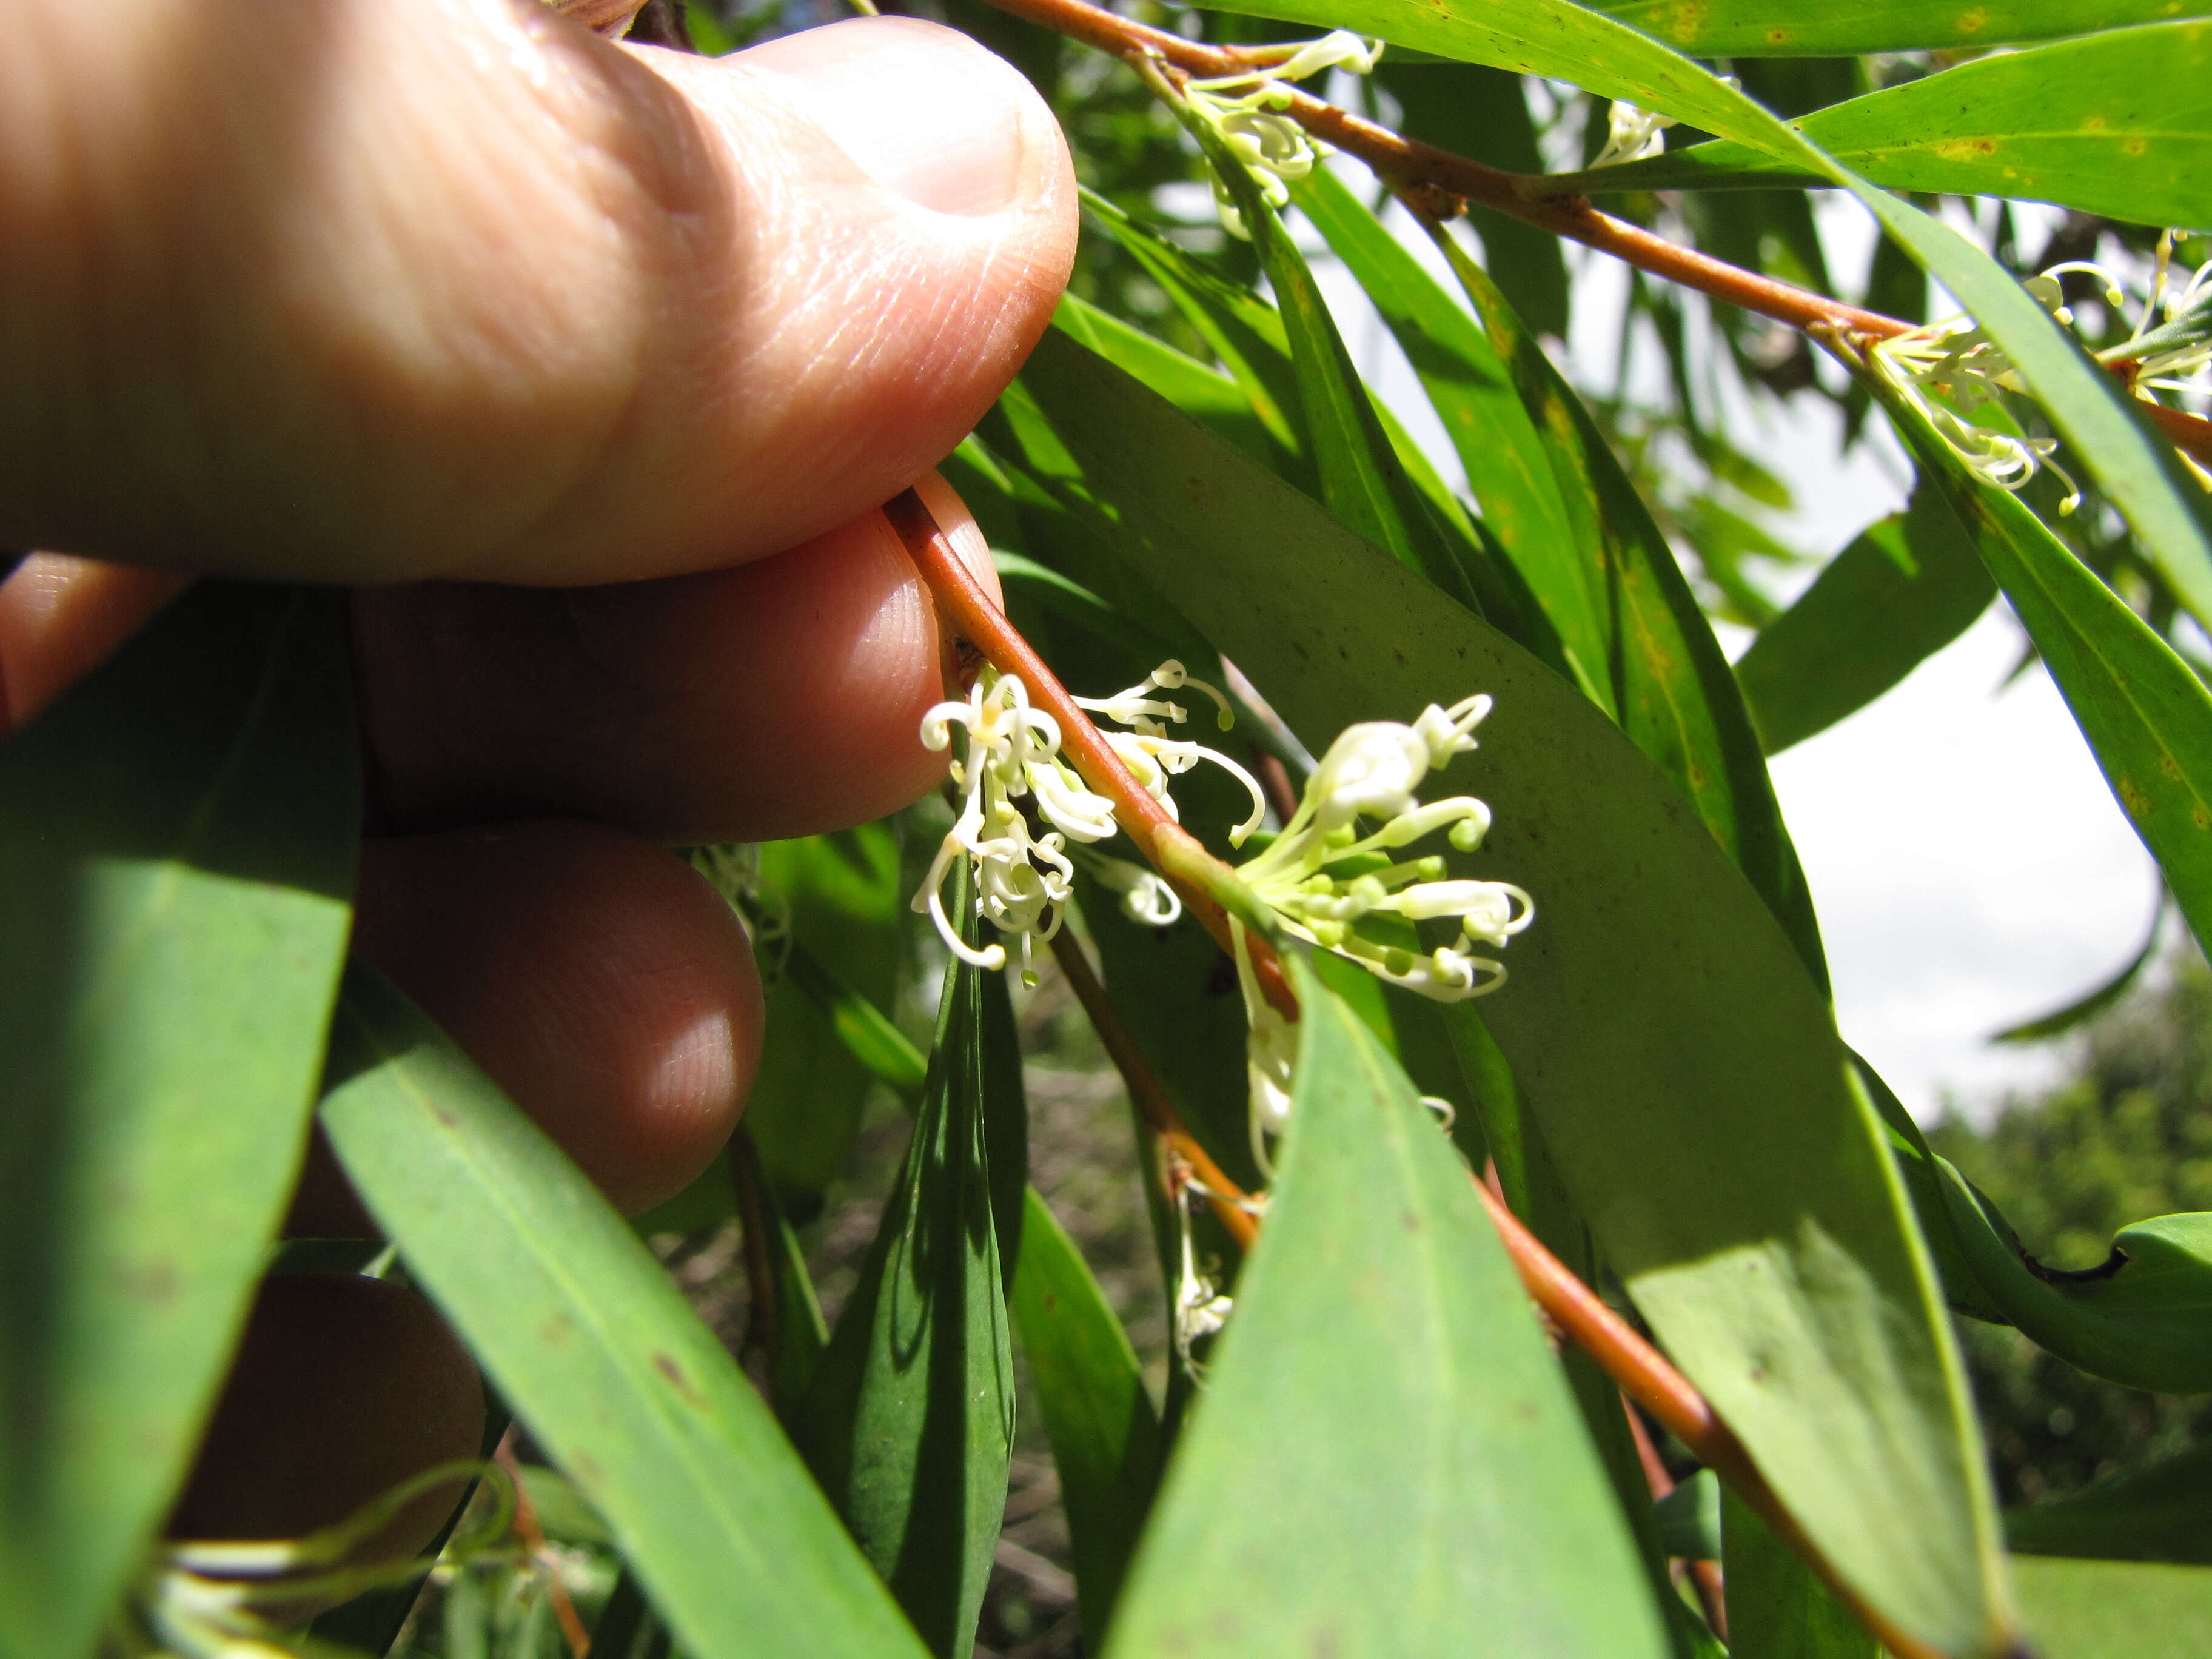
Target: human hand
588,365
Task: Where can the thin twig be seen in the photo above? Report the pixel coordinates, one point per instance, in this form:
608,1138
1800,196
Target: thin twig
533,1541
1172,850
1147,1096
1436,184
1705,1572
764,1325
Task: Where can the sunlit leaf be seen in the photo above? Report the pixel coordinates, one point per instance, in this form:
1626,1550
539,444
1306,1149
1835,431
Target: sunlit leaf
2160,1512
1658,1023
1777,1607
1754,28
2115,1609
596,1348
2117,123
176,858
1385,1459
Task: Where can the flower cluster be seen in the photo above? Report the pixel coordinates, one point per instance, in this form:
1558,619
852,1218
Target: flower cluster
1325,879
1633,134
1273,148
1957,361
1024,879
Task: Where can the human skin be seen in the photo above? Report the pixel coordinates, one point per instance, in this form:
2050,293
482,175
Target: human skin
585,367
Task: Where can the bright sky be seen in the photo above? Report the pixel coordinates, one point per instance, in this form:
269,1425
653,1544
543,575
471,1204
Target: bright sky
1970,868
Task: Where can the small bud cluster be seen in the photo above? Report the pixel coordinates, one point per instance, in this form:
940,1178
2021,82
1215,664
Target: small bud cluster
1271,146
1024,879
1635,133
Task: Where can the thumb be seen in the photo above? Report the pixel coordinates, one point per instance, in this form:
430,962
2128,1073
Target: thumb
371,292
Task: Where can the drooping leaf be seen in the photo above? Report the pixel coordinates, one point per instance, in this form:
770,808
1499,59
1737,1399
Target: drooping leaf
1105,1433
2086,1008
1777,1607
909,1425
2147,716
2135,469
1677,699
2117,123
1484,112
1658,1023
596,1348
2160,1512
1903,589
176,860
1792,28
2141,1318
1385,1461
1473,391
2116,1610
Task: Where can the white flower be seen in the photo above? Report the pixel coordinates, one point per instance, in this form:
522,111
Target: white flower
1269,145
1023,880
1145,896
1632,135
1324,877
1200,1309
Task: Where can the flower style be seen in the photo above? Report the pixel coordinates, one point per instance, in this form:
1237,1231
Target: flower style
1324,877
1273,148
1200,1309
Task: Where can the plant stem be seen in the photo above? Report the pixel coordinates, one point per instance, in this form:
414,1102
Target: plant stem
533,1541
1436,184
1146,1095
1200,879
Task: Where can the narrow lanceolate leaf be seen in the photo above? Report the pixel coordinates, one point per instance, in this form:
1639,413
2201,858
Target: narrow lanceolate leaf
1204,393
2117,123
596,1349
1361,481
2160,1512
911,1423
1901,592
1683,1069
1387,1460
1677,700
1105,1434
2136,468
2085,1008
1793,28
1472,391
176,858
2147,716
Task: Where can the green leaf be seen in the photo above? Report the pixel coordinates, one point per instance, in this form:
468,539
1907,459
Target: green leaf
595,1348
1902,591
838,895
1205,394
2140,1318
2146,715
1472,391
1689,1518
2135,469
790,1326
2117,123
176,856
1795,28
2086,1008
2116,1609
1678,700
1777,1607
1684,1069
911,1423
1361,481
2160,1512
1386,1458
1484,112
1105,1434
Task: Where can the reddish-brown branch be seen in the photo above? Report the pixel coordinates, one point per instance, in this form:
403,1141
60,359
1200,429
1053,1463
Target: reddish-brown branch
1705,1573
1435,182
1227,1199
1171,849
533,1541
